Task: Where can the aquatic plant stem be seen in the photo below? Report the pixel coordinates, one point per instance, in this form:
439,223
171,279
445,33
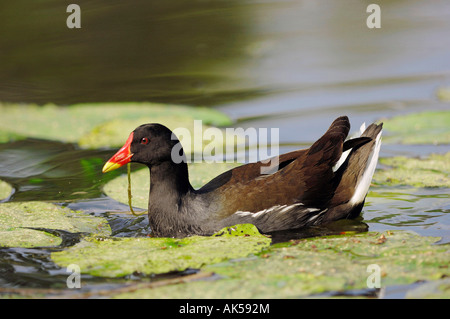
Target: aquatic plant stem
129,192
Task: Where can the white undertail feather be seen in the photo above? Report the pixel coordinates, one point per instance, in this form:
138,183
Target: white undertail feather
362,128
364,183
347,152
341,160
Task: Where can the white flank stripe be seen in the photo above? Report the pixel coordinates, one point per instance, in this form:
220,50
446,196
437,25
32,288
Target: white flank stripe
284,208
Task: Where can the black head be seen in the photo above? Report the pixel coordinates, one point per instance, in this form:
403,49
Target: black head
153,144
149,144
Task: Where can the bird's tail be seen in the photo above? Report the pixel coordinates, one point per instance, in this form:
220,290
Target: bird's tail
355,170
367,158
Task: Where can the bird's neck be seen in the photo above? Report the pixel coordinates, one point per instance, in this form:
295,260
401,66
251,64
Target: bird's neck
169,180
169,190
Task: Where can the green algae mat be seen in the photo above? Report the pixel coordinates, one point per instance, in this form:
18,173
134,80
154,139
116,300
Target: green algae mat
98,125
5,190
313,266
299,268
430,127
21,224
115,257
432,171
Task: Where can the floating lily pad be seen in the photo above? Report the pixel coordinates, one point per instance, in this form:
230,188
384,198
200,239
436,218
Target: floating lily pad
5,190
114,133
84,122
115,257
433,171
199,174
17,217
418,128
314,266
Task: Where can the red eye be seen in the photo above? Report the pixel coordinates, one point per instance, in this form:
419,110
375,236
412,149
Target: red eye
144,141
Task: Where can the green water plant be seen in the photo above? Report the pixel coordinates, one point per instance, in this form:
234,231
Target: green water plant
5,190
23,224
116,257
432,171
95,125
430,127
315,266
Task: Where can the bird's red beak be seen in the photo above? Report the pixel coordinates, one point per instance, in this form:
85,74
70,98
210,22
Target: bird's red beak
121,158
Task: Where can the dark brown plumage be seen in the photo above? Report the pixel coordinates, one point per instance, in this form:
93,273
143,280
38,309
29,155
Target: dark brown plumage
328,181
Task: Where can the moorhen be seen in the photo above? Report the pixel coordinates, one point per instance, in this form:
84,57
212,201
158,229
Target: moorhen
327,182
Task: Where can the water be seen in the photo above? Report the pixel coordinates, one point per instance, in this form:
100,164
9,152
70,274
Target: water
295,65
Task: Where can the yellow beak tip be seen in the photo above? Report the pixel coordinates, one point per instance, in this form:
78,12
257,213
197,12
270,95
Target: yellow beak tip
110,166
